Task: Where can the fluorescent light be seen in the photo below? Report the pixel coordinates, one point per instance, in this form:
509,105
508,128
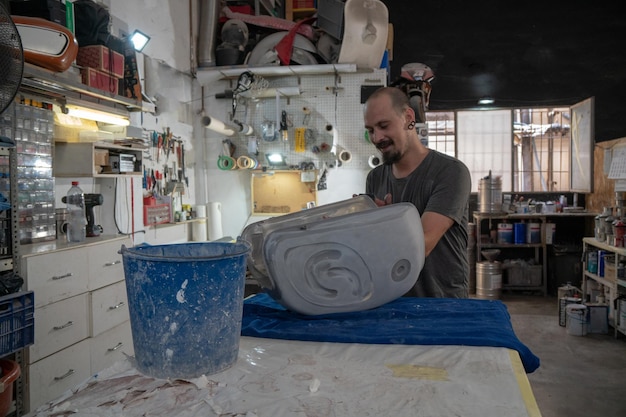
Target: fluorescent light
97,116
486,100
139,40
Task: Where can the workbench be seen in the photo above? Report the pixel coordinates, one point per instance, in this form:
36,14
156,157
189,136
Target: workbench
282,377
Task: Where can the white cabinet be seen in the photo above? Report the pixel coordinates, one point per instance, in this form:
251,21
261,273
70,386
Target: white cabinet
605,277
81,313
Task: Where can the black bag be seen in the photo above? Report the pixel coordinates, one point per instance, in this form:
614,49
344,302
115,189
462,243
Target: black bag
10,283
91,23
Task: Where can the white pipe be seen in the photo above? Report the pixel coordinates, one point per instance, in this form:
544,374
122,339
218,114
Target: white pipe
217,126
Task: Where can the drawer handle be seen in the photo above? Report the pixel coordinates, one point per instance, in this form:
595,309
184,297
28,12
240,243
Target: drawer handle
115,307
113,263
68,324
69,274
117,347
68,373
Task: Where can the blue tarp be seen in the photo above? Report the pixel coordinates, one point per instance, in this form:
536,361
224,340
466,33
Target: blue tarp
406,320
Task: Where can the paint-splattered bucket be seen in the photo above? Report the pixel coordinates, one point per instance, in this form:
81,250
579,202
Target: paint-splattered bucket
186,304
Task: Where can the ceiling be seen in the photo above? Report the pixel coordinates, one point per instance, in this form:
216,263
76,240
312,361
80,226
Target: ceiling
523,54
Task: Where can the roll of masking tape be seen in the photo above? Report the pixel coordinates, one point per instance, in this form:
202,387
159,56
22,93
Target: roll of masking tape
244,162
374,161
226,163
344,156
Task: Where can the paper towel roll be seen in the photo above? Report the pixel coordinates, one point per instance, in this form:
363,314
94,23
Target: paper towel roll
199,228
214,220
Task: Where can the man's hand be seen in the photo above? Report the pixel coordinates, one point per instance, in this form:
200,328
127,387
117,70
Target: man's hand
384,202
378,201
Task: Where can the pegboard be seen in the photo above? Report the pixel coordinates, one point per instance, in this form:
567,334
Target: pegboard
327,103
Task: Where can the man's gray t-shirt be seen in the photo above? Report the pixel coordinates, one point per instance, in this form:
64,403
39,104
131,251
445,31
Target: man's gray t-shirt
440,184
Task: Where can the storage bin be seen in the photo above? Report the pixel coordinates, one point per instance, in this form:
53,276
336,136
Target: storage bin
17,323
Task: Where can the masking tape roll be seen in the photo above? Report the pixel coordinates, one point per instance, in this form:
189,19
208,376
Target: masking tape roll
374,161
226,163
244,162
344,156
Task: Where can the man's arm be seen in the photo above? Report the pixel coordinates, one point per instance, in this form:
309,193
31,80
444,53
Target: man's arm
435,226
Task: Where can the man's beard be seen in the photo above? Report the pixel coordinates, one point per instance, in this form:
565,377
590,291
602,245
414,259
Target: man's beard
391,157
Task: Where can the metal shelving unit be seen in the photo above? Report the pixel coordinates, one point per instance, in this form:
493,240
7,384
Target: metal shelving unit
539,249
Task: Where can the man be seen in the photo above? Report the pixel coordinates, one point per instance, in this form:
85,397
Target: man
437,184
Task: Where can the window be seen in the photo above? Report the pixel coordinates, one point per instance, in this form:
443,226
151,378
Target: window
441,132
530,148
541,149
484,144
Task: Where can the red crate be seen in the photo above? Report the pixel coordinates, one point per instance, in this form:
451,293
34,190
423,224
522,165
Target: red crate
100,80
17,322
101,58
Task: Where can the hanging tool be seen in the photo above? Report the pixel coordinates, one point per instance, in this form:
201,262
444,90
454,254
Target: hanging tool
283,126
182,163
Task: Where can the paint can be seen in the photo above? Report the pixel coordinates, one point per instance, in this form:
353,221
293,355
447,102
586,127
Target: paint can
505,233
533,233
601,262
488,280
519,233
622,315
490,195
563,303
592,262
576,320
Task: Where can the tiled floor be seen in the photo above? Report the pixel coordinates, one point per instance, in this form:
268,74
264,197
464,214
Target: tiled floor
579,376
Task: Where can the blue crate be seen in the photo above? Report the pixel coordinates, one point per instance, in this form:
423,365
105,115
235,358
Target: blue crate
17,322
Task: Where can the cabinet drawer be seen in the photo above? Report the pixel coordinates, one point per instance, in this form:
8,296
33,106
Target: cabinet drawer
111,346
105,263
109,307
52,376
59,325
56,275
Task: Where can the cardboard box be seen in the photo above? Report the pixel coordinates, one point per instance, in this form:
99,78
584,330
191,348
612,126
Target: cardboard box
101,58
99,79
100,157
517,275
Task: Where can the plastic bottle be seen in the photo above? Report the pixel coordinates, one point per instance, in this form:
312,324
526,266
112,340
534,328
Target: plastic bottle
76,218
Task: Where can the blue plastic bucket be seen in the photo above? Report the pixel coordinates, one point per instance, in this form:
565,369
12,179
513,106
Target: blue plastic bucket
186,304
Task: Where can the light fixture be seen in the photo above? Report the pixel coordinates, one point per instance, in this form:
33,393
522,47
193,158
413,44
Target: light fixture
95,115
139,40
275,159
486,100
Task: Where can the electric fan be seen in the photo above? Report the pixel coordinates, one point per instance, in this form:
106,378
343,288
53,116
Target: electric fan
11,60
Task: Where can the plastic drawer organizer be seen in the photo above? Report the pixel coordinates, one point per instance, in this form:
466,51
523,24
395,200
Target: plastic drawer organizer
17,324
340,257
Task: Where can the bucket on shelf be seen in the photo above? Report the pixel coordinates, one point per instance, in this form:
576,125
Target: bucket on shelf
576,323
186,306
533,233
505,233
519,233
490,194
488,280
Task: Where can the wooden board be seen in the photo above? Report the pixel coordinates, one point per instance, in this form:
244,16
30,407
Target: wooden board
281,192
